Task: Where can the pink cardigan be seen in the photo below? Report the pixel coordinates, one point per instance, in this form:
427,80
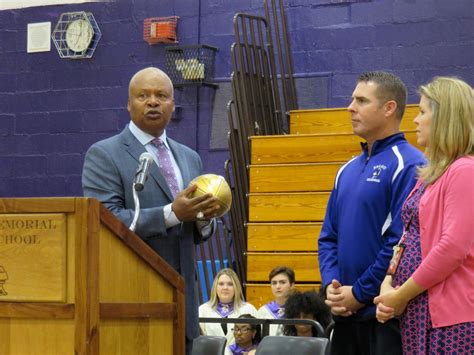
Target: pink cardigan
446,216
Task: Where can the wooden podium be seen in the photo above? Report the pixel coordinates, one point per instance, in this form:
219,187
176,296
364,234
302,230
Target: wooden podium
75,280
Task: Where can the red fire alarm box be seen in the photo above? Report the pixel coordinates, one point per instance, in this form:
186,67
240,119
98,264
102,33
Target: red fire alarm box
160,30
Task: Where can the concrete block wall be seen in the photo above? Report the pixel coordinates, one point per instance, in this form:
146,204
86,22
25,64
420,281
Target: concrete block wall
416,39
53,109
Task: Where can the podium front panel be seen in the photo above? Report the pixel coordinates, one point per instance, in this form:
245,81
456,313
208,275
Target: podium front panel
33,257
36,336
74,279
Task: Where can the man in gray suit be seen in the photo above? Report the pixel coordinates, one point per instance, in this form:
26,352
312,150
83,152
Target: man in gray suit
168,224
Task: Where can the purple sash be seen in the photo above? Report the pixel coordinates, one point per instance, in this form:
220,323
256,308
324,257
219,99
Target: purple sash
237,350
275,309
224,309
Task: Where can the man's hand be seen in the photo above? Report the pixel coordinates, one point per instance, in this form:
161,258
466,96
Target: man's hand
186,207
341,300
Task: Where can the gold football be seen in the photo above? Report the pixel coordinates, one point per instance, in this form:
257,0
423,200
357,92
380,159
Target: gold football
218,187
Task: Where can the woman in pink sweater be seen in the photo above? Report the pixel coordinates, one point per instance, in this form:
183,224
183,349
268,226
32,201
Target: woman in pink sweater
430,282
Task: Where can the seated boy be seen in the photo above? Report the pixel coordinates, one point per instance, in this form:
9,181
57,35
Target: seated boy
282,280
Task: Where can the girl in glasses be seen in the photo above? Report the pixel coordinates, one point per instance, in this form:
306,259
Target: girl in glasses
247,337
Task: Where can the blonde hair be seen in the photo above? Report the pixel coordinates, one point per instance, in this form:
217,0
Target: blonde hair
452,126
238,294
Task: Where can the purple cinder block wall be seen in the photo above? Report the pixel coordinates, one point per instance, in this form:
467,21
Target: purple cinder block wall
52,109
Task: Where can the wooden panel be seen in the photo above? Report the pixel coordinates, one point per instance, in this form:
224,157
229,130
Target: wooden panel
311,148
287,207
37,205
149,278
136,336
337,120
283,236
118,263
303,148
33,328
260,294
137,310
305,265
5,336
293,177
37,336
36,310
87,287
71,259
141,249
28,243
77,320
179,329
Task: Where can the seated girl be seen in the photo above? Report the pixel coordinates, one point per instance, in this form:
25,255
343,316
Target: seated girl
227,301
247,337
306,305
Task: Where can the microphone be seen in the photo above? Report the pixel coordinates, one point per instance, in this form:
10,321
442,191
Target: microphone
146,160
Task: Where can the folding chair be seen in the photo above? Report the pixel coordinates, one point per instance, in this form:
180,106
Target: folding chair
207,345
284,345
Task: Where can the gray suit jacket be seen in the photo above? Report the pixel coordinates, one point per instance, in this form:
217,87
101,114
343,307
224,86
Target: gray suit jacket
109,170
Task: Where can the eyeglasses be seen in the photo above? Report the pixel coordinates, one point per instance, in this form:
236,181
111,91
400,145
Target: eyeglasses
241,330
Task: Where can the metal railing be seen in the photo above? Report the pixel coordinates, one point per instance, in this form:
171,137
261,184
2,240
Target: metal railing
265,323
275,15
219,247
256,109
255,86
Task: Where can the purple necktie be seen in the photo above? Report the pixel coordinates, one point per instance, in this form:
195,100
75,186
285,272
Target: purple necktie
166,166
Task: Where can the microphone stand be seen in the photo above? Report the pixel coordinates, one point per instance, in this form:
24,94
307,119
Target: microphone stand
137,209
146,159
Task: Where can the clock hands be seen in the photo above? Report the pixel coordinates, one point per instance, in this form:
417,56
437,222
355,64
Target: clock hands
76,35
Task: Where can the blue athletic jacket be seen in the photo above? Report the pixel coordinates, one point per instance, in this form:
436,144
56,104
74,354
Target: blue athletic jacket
363,221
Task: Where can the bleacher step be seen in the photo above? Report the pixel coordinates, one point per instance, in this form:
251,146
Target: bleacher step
308,148
301,236
305,265
337,120
293,177
287,207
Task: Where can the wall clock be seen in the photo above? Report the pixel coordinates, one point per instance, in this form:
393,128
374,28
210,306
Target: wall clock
76,35
79,35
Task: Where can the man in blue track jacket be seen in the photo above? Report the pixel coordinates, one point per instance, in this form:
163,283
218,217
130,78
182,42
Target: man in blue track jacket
363,222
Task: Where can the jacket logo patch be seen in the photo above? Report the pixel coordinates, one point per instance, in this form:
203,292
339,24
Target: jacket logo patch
376,173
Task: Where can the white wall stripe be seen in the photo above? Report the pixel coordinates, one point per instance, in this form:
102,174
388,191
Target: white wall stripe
20,4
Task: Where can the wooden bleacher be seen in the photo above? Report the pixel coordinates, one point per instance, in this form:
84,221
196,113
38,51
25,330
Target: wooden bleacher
291,177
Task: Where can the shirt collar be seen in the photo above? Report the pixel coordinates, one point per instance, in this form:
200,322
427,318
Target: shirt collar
143,137
380,145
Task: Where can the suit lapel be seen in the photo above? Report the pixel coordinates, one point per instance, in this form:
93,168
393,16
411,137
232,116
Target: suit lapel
135,149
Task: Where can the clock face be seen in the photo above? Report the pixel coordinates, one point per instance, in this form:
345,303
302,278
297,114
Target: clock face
79,35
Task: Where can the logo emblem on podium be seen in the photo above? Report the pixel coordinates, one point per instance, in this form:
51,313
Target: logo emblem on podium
3,280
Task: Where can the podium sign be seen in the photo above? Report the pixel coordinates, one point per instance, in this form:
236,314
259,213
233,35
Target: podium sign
33,257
